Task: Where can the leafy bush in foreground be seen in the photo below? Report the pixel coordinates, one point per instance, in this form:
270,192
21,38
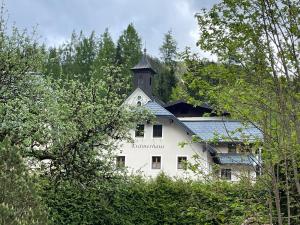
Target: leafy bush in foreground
158,201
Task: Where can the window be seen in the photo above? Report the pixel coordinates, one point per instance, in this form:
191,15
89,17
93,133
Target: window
226,174
157,130
139,130
258,170
120,161
181,162
156,162
231,148
139,103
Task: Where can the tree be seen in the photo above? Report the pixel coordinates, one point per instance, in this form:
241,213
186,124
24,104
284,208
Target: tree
258,82
66,128
19,199
77,57
106,55
20,54
168,51
53,64
128,52
85,125
166,78
86,50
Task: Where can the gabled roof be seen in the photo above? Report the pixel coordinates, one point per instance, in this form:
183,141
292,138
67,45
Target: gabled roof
236,158
223,131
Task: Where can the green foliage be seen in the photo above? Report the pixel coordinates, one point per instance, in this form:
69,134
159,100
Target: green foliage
53,64
168,51
66,128
106,55
20,54
20,203
128,52
72,128
129,47
77,57
257,81
166,79
159,201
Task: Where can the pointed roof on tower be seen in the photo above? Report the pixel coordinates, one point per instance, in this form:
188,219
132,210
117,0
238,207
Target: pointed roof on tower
144,64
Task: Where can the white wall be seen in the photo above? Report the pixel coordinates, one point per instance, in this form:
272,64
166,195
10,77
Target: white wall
138,158
238,172
138,155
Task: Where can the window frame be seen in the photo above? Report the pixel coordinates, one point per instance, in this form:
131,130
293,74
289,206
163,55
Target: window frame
232,146
136,129
158,156
153,131
118,163
184,167
226,177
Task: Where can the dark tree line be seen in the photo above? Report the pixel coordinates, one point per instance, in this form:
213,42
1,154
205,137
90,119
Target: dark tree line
84,57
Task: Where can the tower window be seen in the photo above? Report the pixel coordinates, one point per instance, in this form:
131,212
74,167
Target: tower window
139,103
139,130
157,130
156,162
120,161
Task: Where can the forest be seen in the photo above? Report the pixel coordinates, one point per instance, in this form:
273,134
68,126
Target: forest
62,119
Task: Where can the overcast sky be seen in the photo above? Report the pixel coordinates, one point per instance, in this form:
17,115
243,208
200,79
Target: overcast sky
56,19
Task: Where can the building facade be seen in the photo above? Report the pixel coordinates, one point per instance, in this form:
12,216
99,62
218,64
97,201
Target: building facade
183,137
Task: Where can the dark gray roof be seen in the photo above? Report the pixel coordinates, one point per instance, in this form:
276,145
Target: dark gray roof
211,130
236,158
203,105
143,64
223,131
157,109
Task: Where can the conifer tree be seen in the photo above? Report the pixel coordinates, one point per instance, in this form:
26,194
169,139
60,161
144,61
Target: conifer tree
78,56
106,55
166,79
129,50
168,51
53,65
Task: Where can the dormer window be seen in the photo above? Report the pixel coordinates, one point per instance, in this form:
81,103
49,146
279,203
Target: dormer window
232,148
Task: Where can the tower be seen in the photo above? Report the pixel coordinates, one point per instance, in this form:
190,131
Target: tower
143,75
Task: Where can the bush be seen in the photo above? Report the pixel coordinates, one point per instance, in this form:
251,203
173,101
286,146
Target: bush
151,202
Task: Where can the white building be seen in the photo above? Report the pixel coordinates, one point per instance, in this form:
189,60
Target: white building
156,146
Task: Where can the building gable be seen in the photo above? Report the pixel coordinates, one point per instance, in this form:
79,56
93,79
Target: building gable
137,97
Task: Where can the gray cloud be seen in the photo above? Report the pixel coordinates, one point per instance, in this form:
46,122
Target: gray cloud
56,19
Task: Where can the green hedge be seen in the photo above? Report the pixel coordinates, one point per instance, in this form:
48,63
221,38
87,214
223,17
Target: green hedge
159,201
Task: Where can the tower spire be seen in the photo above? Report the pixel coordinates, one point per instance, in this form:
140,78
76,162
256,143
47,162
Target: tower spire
143,75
